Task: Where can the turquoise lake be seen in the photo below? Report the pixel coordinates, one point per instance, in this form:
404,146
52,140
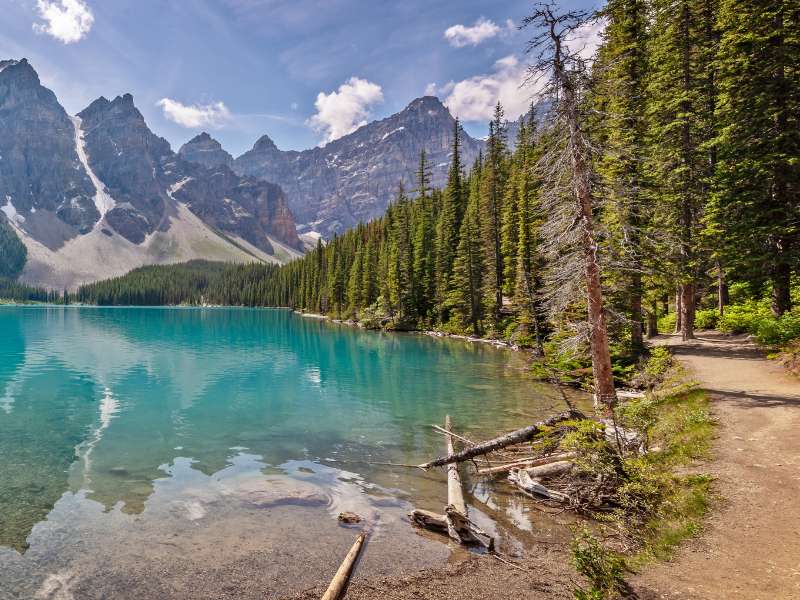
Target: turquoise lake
165,453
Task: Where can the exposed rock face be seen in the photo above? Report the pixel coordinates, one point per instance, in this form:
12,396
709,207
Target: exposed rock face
102,186
205,150
39,166
354,178
241,206
128,158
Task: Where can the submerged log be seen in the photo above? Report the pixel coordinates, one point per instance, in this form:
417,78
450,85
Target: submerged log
338,584
526,463
515,437
455,495
534,489
455,521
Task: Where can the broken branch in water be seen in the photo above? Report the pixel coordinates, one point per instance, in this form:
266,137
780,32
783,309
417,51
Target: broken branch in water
527,463
338,584
533,488
455,520
515,437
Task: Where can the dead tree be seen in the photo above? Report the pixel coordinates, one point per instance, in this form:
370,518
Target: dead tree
567,170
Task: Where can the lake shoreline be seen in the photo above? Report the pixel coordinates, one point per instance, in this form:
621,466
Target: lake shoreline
429,332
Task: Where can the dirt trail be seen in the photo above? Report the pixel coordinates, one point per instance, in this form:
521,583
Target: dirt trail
751,547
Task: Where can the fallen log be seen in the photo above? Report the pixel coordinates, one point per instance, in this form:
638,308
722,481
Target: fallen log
455,495
526,463
515,437
534,489
338,584
428,519
551,469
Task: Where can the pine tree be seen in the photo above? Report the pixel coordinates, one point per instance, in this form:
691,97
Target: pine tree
466,292
423,243
493,183
449,222
756,205
620,73
678,126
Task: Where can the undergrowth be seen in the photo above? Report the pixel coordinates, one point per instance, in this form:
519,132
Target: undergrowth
659,497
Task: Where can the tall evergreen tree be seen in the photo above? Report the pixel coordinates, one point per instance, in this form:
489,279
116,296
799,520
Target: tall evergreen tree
620,89
756,207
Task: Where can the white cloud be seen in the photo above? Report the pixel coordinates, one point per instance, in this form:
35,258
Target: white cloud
345,110
66,20
474,99
195,115
588,38
463,35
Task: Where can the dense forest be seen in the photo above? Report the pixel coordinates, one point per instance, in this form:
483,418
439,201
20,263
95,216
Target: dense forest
664,171
13,253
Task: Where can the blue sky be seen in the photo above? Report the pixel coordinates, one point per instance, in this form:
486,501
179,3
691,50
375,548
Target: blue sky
302,71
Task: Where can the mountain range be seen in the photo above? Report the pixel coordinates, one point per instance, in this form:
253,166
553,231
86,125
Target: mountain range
97,194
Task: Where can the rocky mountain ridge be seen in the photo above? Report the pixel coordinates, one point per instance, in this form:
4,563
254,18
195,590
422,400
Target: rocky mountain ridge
97,194
354,178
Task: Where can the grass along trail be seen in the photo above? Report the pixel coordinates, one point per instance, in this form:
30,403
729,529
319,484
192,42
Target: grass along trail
751,546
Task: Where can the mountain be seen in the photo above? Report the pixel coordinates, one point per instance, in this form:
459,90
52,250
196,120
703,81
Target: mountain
205,150
355,177
95,195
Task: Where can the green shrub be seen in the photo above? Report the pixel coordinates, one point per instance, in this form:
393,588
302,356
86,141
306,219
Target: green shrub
657,364
706,319
744,317
601,567
777,331
666,323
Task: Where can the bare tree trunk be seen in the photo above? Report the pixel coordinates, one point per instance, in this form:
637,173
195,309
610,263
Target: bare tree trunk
604,391
665,303
652,321
722,290
687,311
637,340
678,311
781,292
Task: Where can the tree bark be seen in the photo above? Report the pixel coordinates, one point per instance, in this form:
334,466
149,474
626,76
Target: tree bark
722,290
687,311
637,339
652,323
781,290
678,311
509,439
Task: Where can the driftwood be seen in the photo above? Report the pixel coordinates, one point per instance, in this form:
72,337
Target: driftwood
338,584
515,437
455,495
533,488
428,519
551,469
526,463
455,520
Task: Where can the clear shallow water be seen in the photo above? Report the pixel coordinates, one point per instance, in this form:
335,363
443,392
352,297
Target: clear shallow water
159,452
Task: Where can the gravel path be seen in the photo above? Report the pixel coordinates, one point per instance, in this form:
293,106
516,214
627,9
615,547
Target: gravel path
751,547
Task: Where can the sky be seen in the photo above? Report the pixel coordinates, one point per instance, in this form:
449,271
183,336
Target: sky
302,71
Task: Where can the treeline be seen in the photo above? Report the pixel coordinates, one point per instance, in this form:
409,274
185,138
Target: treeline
195,283
19,292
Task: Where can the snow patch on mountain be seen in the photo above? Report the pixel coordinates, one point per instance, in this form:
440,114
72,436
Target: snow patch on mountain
11,212
386,135
102,200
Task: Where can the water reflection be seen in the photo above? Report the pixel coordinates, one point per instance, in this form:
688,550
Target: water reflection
104,407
